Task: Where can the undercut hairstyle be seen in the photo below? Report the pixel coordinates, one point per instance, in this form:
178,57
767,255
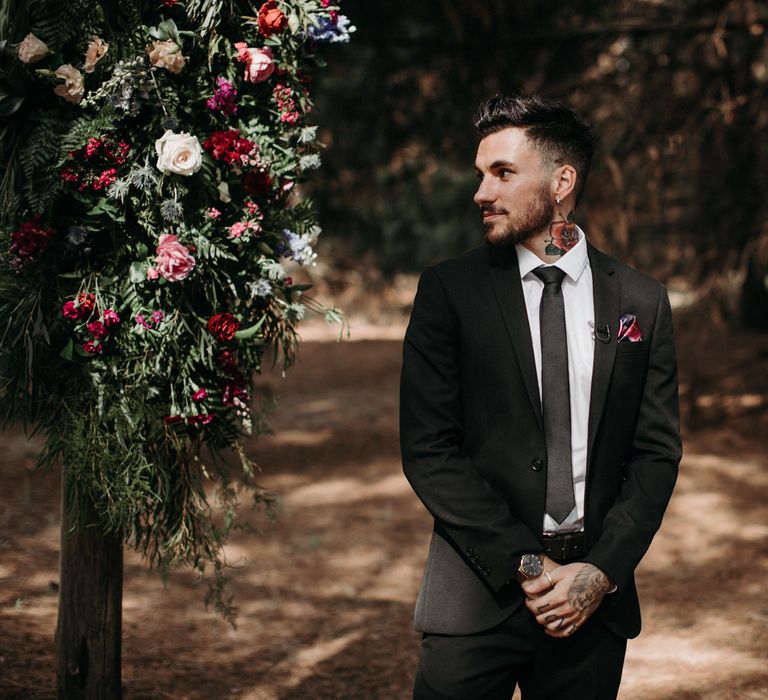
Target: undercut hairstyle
559,134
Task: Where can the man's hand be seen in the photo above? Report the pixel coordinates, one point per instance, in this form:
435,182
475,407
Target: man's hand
563,598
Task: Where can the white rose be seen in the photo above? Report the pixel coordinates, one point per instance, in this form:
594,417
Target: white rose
178,153
72,90
32,50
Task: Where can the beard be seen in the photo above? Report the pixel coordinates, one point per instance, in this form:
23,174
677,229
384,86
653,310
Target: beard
534,218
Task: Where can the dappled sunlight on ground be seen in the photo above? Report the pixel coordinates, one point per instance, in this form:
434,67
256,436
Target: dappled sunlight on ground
326,595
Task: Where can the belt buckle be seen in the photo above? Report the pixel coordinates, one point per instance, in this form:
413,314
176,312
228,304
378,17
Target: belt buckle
558,547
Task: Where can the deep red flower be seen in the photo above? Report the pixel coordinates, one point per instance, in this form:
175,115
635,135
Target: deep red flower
86,303
230,147
94,166
200,395
28,243
200,419
228,360
110,317
98,330
70,311
257,183
223,326
234,394
93,347
271,19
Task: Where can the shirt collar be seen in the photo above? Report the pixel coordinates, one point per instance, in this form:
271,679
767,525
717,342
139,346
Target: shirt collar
572,263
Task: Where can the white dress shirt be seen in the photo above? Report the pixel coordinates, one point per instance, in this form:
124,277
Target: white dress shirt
579,322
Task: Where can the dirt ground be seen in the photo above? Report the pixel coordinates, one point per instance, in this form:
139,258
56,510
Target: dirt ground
325,598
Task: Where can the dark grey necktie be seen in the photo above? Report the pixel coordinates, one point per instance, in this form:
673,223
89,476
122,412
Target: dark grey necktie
555,399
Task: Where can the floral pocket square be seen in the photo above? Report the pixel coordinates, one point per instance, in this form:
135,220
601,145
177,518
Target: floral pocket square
629,330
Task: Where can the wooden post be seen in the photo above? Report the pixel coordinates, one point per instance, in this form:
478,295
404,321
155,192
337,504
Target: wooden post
89,626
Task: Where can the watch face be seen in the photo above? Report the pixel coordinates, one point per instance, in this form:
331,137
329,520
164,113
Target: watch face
531,565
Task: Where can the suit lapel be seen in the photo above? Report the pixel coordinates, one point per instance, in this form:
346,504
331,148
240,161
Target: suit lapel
508,288
606,292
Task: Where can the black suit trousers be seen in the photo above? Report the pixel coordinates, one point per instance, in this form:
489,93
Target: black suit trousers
489,665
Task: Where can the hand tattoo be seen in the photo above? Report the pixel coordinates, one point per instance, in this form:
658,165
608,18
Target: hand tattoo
587,588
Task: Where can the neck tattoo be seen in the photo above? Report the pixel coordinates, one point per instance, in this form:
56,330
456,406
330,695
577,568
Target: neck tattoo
563,235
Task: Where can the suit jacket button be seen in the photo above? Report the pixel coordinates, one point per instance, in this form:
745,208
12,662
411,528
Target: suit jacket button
537,464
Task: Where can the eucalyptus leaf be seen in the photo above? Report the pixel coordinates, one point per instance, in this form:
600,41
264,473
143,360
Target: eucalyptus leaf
245,333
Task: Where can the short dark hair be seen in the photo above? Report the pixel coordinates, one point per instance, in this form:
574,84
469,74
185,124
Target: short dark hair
560,135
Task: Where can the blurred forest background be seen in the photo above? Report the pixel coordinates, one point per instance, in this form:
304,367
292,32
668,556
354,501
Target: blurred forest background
675,88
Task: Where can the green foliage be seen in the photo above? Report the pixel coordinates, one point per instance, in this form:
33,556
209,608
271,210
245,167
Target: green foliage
37,159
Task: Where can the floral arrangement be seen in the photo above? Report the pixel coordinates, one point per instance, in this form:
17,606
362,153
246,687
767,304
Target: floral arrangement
151,153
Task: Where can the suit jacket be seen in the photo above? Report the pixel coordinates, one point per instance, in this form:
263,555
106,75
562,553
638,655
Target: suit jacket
473,444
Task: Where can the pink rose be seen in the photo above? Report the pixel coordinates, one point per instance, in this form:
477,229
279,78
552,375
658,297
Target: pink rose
152,273
259,63
111,318
173,260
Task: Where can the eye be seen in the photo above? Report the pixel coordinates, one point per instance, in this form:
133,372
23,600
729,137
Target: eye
504,173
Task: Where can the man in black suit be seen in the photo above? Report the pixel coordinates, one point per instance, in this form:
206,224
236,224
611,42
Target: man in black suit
539,426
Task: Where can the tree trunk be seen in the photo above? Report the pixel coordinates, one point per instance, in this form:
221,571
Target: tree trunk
88,630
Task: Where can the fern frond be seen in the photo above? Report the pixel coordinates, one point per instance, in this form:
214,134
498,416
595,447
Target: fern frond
37,158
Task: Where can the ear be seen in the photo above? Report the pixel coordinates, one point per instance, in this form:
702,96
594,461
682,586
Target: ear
564,181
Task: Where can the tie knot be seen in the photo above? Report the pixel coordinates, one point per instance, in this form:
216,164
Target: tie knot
550,275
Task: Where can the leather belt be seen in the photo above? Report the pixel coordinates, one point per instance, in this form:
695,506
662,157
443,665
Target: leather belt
566,546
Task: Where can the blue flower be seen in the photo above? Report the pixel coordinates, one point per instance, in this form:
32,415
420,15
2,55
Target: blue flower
330,31
298,248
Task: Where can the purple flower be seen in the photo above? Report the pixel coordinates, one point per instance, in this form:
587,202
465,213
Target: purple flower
223,98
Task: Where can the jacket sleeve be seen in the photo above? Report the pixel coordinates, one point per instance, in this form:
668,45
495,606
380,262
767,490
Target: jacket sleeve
650,469
473,516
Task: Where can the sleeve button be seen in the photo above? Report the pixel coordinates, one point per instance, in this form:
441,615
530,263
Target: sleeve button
537,464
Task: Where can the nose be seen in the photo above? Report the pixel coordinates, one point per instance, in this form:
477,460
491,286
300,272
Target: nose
484,195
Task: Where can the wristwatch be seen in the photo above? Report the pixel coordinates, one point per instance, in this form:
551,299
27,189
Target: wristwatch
531,566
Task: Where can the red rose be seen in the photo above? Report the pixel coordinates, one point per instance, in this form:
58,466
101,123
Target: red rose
200,395
223,326
271,19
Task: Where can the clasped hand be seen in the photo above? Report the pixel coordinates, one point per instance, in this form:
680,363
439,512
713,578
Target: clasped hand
564,597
